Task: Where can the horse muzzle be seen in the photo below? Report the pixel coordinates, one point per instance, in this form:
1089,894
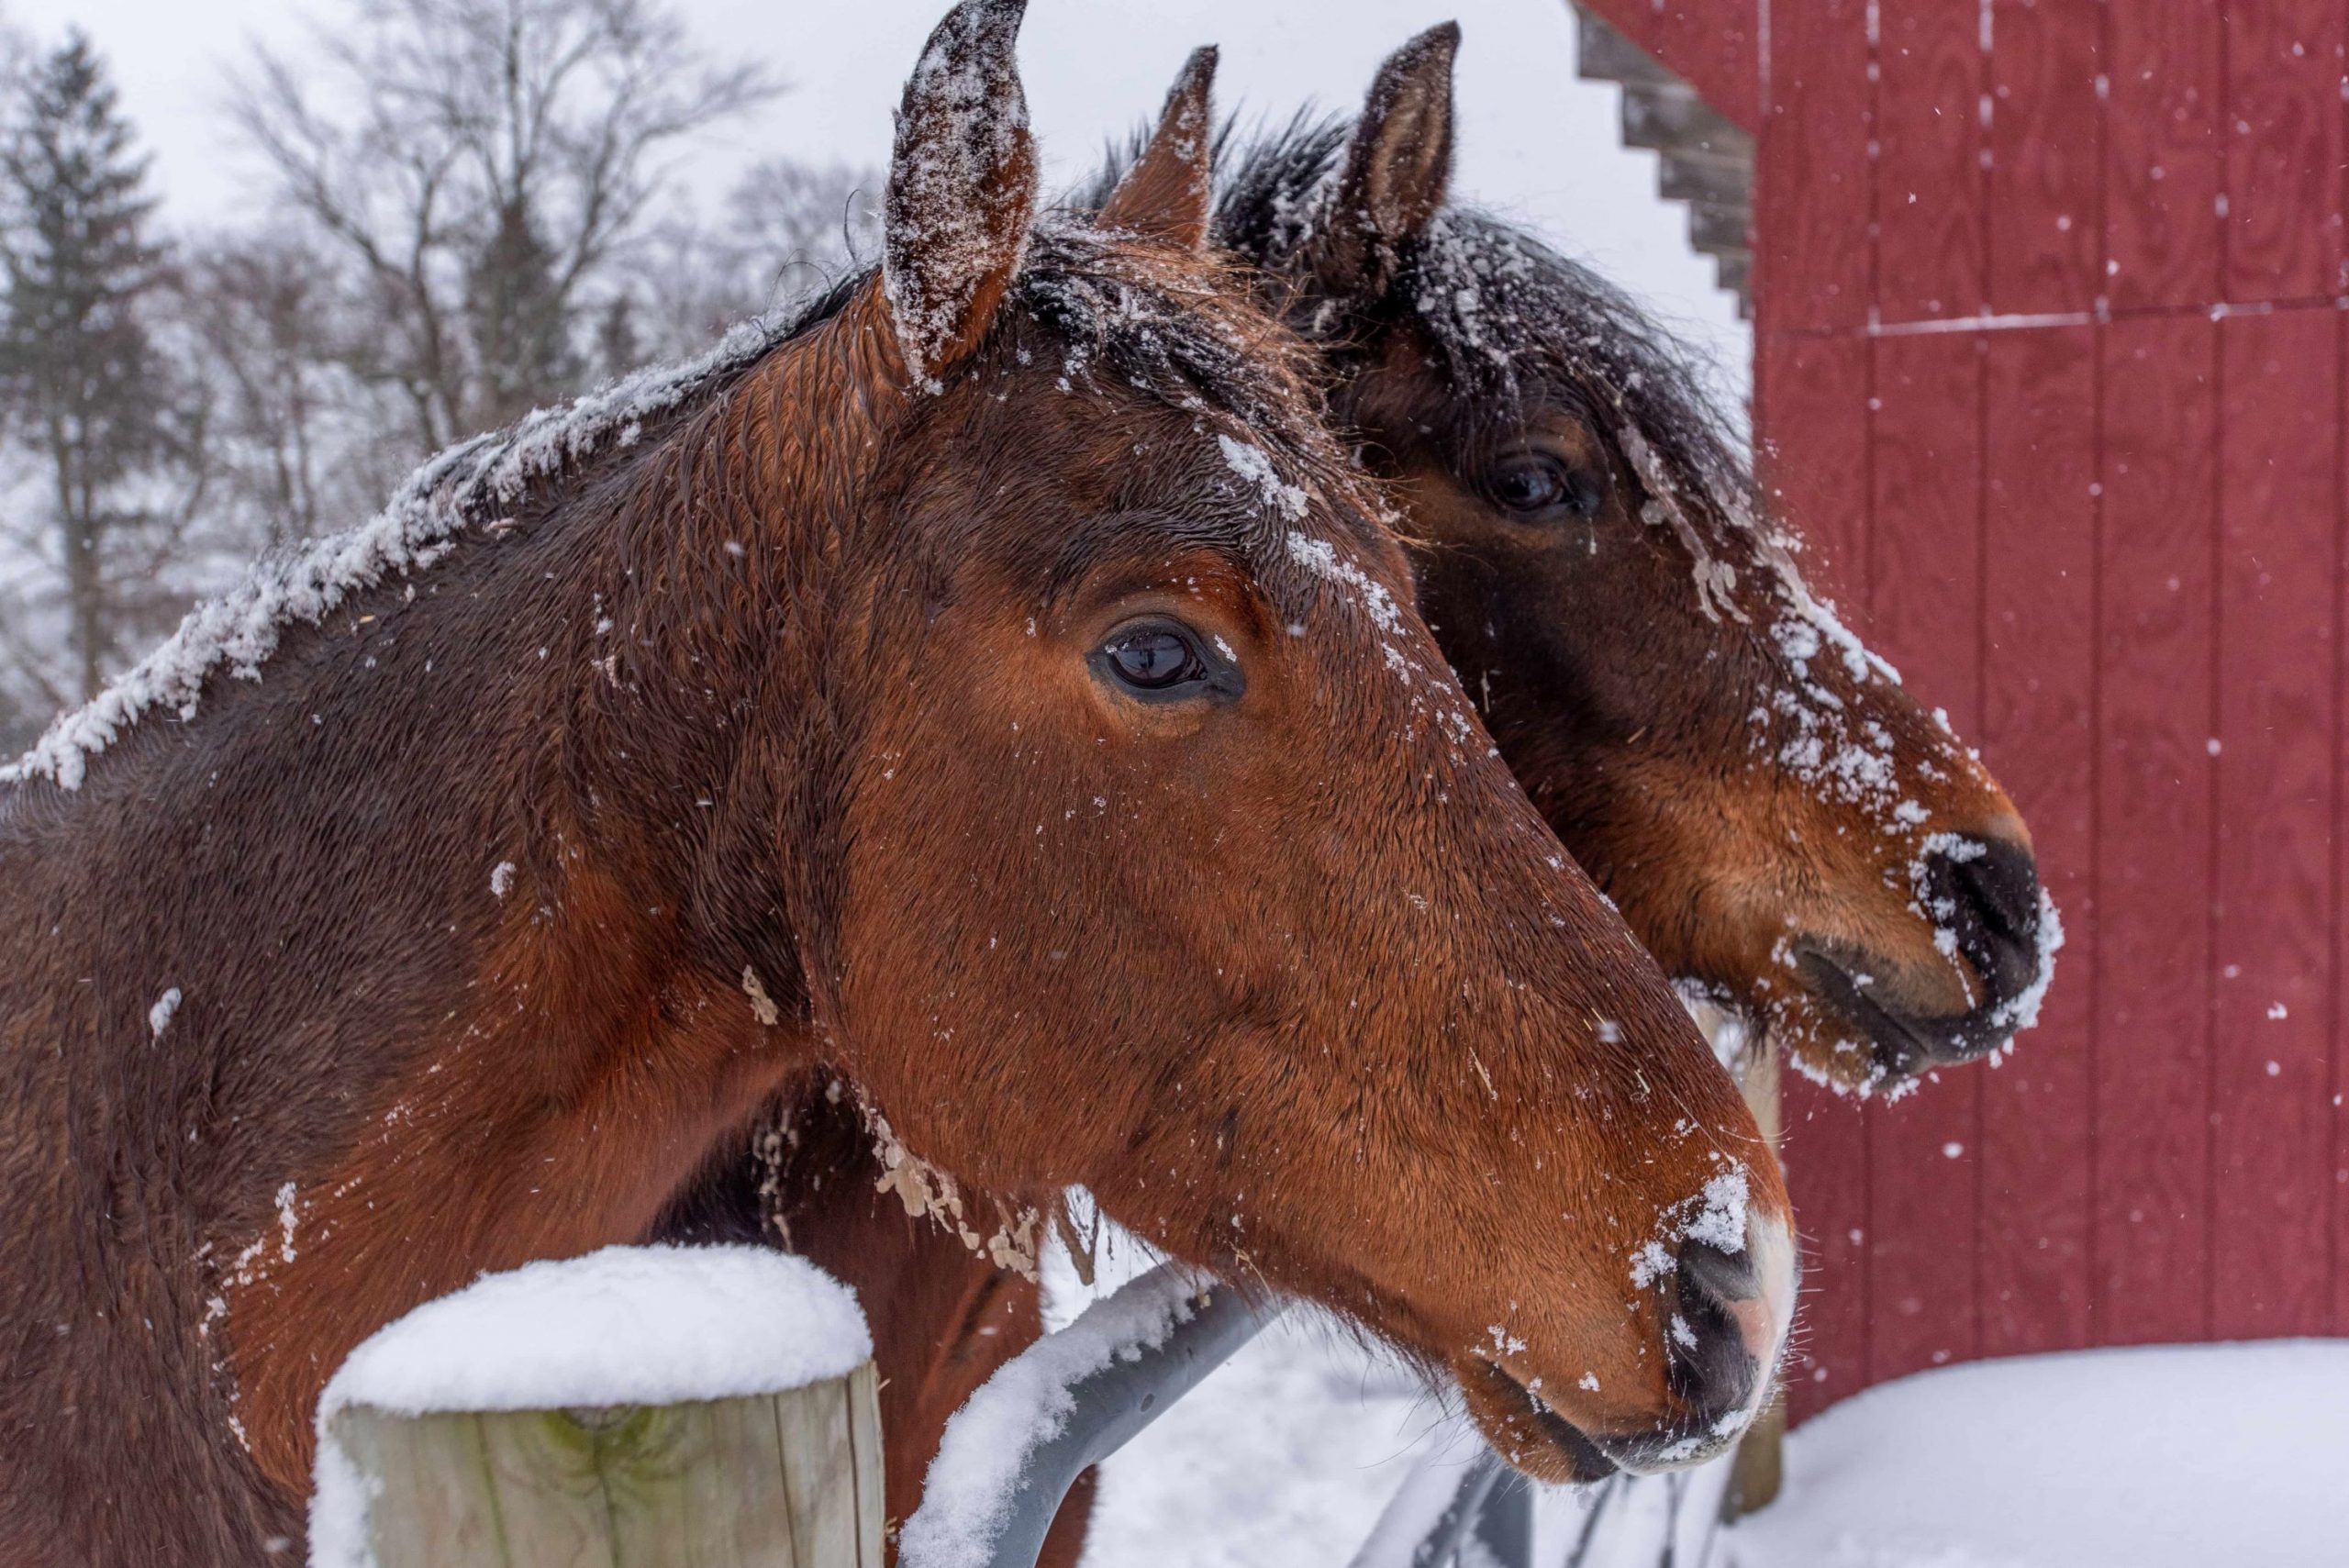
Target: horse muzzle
1725,1318
1991,921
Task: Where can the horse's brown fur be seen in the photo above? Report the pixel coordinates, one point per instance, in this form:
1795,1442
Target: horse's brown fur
777,739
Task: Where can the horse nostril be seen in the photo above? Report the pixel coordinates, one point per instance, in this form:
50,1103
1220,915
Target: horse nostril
1984,892
1712,1364
1721,1276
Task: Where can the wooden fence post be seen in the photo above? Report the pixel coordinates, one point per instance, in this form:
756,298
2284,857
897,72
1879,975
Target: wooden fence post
789,1480
1759,1468
786,1478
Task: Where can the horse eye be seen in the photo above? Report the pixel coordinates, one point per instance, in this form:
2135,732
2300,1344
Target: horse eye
1154,659
1535,484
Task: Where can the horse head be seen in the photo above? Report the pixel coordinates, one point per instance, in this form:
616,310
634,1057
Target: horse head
1785,826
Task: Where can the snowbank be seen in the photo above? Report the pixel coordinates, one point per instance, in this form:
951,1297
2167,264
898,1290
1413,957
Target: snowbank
2191,1456
2183,1456
625,1326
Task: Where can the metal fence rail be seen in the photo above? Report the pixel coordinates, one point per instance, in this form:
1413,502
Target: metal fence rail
1487,1501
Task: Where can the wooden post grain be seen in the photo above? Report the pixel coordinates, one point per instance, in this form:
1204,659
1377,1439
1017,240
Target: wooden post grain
1759,1468
784,1480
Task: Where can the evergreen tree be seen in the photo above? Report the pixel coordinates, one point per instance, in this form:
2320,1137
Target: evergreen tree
79,371
618,349
483,173
520,320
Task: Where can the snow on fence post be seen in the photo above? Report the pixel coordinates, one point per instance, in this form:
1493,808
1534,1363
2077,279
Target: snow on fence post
655,1407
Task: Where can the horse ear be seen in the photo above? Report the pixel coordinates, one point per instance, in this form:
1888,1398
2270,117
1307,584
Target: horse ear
962,187
1397,165
1166,195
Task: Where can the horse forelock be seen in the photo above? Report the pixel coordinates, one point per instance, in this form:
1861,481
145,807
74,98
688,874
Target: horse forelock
1181,325
1508,316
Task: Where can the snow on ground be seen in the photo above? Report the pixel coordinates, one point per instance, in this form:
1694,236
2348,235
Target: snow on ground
2171,1457
2192,1456
1285,1456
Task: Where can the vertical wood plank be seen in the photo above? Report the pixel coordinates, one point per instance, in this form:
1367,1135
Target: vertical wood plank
2283,148
1816,390
734,1484
1926,513
1813,194
2149,1257
2271,1117
2046,208
1811,423
411,1458
866,1463
2037,734
2162,154
2338,1101
1712,44
1929,183
1825,1148
815,1431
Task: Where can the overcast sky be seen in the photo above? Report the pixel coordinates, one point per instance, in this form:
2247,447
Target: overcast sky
1535,142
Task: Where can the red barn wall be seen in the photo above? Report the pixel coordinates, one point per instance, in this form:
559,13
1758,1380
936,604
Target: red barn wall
2049,364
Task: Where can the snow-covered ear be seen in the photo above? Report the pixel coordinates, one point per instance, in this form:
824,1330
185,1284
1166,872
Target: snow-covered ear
1397,165
1166,195
962,187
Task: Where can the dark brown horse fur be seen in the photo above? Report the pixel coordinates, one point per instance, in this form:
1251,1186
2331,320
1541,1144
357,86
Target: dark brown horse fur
773,732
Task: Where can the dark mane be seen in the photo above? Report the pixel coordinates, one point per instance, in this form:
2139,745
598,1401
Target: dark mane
1505,311
1113,308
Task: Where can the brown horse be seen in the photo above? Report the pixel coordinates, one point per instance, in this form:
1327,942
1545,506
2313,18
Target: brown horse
1785,826
995,689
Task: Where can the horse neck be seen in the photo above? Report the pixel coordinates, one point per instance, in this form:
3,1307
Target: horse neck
471,908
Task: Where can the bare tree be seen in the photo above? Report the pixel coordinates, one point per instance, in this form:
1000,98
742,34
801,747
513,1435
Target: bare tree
786,230
295,450
796,225
479,164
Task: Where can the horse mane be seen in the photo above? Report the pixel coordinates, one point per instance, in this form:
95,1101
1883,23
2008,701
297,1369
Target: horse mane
1173,333
1501,308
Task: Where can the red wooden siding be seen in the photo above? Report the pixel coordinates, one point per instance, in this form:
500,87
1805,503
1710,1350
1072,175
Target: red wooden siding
2038,723
2052,318
1815,242
2151,973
